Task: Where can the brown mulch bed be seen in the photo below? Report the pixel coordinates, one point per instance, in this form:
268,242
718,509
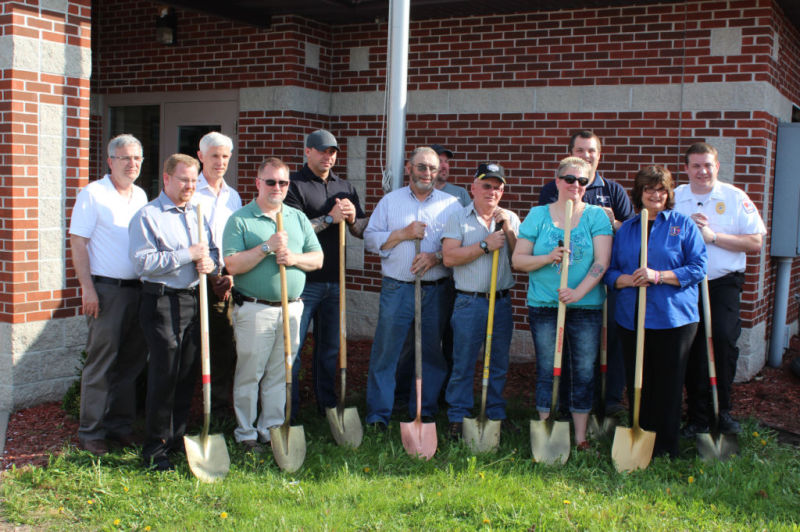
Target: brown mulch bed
772,397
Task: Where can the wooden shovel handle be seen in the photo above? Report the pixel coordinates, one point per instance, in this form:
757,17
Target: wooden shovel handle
287,340
342,300
562,307
712,369
205,347
637,385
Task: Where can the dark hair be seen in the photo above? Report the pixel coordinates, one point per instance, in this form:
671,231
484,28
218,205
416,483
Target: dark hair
701,147
584,134
649,177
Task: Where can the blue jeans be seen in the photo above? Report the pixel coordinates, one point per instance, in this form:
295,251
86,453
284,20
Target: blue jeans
470,314
320,303
581,344
395,319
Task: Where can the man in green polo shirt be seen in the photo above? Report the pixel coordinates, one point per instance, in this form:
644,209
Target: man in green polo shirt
253,249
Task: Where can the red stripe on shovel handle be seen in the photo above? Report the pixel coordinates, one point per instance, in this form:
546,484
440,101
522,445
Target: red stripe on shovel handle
713,381
603,368
206,379
556,372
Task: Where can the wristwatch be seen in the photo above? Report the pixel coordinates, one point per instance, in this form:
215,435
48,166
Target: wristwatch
328,219
484,246
265,249
439,256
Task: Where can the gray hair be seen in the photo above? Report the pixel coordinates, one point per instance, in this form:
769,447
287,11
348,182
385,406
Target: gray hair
422,149
577,162
123,140
214,139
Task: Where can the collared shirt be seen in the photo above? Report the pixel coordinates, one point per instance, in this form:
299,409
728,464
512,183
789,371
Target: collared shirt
160,236
395,211
250,227
102,215
601,192
216,208
315,198
459,192
466,226
729,211
674,244
543,283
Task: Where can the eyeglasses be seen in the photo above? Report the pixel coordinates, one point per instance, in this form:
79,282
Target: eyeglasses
569,179
489,186
659,191
423,167
128,158
273,182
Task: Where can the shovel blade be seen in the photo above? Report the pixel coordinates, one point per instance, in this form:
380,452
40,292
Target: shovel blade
345,428
714,446
288,447
481,436
208,457
419,439
601,428
550,441
632,448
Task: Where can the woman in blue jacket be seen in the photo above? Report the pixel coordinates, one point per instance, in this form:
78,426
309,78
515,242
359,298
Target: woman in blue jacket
676,263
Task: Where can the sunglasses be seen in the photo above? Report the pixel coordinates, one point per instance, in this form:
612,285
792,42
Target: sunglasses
273,182
582,181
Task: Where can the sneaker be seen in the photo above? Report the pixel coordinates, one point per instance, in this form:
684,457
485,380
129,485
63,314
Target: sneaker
251,446
455,430
96,447
690,430
728,425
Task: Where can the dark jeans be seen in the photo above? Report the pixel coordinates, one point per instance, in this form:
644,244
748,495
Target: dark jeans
666,352
115,356
724,294
223,351
172,332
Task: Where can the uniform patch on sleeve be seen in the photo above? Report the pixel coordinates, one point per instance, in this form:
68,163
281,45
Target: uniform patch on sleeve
674,230
748,207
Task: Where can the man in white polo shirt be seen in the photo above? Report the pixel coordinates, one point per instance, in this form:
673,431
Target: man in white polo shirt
219,201
731,228
110,289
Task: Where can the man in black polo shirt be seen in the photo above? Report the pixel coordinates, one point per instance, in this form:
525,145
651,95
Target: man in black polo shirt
326,199
614,200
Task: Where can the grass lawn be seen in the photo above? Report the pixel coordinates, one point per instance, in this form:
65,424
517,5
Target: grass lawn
379,487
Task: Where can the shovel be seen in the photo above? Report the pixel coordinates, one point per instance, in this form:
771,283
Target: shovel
633,448
344,422
550,439
419,439
483,434
600,425
713,445
288,443
207,453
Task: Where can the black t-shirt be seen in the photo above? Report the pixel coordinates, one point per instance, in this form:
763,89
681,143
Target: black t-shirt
315,198
602,192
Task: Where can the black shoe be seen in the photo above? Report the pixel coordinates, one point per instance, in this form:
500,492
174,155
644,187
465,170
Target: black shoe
97,447
427,419
160,464
728,425
690,430
455,430
377,426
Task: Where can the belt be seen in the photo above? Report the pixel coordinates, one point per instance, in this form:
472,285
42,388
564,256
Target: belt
160,289
116,282
499,294
424,283
264,301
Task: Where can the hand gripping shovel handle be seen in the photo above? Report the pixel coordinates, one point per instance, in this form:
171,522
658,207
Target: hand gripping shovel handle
204,340
287,340
712,369
562,307
642,304
342,317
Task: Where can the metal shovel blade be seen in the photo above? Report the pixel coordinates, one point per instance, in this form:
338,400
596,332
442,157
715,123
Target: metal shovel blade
481,435
714,446
207,456
419,439
345,426
601,427
550,441
632,448
288,446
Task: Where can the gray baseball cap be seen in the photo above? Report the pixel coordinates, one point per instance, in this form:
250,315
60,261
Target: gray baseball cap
321,140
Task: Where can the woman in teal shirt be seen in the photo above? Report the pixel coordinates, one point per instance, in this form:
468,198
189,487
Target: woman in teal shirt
540,251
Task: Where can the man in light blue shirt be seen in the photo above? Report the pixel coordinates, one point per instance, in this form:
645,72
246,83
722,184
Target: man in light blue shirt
415,212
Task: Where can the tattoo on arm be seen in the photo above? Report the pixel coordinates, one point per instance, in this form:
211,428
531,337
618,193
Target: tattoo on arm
596,270
357,228
319,224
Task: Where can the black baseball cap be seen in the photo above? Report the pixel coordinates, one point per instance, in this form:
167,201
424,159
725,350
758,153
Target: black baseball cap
487,170
439,149
321,140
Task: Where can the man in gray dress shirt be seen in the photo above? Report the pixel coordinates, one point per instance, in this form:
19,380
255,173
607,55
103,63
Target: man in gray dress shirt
168,256
471,236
